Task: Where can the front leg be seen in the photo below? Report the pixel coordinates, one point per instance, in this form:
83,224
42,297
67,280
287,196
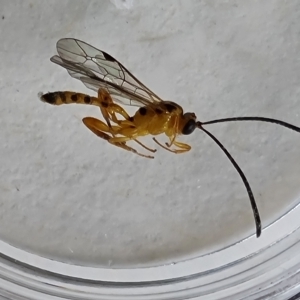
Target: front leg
181,147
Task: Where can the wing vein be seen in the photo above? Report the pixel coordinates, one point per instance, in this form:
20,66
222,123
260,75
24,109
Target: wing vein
96,69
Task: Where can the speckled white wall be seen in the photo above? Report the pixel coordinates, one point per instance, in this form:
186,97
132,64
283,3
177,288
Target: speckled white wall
67,195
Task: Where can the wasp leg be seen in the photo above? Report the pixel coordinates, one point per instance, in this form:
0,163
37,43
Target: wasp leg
109,109
104,100
182,147
131,133
149,149
173,137
100,128
161,145
128,129
172,140
122,141
115,108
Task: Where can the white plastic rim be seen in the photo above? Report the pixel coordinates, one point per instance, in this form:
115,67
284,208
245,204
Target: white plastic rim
249,269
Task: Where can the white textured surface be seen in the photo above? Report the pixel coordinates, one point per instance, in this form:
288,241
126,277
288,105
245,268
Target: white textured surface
69,196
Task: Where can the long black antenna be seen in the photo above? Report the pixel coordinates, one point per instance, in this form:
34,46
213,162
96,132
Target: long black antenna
269,120
242,175
245,181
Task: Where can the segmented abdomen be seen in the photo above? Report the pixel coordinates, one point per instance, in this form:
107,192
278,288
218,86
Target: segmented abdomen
58,98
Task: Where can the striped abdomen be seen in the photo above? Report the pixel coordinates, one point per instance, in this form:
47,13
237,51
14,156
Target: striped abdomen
58,98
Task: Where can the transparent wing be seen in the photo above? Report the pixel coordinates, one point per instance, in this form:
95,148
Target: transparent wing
97,69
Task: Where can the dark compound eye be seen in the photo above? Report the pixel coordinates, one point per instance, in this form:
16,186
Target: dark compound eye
189,127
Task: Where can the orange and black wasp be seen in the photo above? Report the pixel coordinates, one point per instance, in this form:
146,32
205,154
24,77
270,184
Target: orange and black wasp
114,84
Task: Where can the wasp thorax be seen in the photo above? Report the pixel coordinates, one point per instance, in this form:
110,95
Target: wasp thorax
190,124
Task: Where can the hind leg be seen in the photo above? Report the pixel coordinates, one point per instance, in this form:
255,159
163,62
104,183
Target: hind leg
100,128
109,109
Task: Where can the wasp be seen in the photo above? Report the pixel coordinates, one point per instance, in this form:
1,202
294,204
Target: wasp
114,84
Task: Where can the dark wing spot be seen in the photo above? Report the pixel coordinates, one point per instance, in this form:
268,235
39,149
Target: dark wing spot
94,77
87,99
108,57
170,107
158,111
104,104
74,97
143,111
50,98
131,119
